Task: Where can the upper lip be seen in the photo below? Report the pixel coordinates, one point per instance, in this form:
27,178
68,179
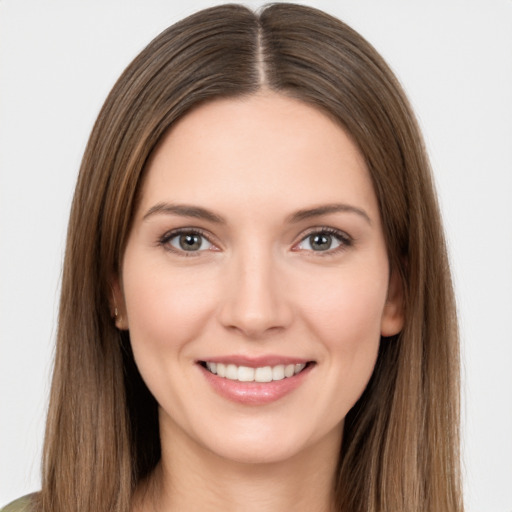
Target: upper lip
255,362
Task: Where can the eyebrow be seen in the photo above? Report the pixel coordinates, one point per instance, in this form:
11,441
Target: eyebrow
327,209
197,212
184,210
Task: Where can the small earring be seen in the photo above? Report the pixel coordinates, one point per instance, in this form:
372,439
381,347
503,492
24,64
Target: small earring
116,317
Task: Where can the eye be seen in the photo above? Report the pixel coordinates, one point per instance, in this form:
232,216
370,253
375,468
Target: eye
186,241
324,240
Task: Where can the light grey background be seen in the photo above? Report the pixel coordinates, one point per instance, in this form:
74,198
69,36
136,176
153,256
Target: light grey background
58,60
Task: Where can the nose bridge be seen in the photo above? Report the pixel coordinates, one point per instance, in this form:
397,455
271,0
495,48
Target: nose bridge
255,301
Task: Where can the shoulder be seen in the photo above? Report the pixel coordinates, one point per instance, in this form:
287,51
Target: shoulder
23,504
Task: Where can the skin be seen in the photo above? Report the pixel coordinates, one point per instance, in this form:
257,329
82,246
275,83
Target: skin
258,285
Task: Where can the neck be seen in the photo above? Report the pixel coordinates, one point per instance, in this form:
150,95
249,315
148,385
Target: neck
190,477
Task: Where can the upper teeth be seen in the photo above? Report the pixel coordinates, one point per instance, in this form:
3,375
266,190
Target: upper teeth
260,374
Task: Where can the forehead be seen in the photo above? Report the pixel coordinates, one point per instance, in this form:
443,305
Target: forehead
257,150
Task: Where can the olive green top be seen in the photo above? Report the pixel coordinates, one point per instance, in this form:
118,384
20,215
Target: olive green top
20,505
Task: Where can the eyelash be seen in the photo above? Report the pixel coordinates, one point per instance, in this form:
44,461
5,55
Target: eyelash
345,240
168,236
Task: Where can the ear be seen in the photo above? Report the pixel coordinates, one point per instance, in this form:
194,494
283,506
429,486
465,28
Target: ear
393,315
117,304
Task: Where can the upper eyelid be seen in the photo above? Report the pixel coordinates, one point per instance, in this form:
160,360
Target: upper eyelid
189,229
178,231
325,229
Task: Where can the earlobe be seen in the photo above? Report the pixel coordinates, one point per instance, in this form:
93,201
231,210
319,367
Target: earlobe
117,305
393,316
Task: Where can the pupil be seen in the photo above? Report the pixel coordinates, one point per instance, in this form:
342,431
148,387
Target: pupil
321,242
190,242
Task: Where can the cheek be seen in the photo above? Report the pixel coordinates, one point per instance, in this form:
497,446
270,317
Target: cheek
167,313
347,303
165,308
345,317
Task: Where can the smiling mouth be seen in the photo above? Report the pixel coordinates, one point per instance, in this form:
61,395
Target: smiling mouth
258,374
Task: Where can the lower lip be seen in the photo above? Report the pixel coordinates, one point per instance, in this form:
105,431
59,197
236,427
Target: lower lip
255,393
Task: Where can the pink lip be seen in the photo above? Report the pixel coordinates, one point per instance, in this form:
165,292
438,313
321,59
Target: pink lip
254,393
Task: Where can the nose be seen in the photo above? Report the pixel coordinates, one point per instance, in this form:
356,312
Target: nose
255,301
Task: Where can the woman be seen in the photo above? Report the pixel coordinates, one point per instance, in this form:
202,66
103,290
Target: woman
256,306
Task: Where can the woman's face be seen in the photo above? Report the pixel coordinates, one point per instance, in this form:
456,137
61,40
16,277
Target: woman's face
255,282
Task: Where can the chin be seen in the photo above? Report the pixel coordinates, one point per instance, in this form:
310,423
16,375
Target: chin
266,445
262,453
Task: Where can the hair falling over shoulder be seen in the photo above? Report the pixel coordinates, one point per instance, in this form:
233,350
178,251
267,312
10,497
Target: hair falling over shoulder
401,440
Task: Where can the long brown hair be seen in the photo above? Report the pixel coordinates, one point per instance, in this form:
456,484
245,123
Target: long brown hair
401,439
